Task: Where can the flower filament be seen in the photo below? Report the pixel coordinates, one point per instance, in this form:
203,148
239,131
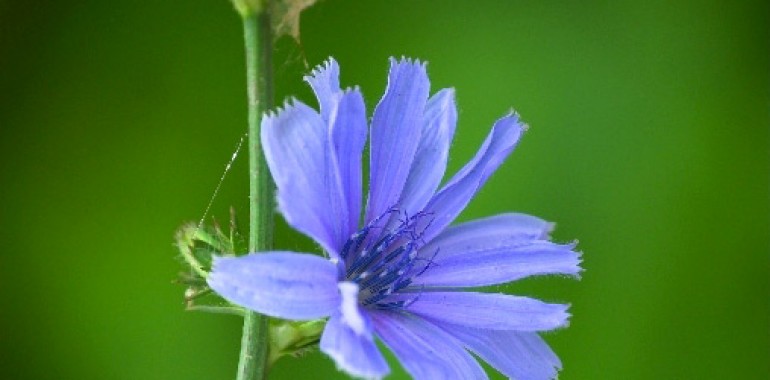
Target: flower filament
384,263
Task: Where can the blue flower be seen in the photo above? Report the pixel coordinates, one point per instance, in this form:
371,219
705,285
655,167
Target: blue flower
401,275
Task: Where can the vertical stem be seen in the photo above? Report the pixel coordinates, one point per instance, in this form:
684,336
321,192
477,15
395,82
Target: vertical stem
256,27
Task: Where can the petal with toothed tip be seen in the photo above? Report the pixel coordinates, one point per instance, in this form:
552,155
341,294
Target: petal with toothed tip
395,134
516,354
345,114
495,250
486,310
455,195
297,151
431,157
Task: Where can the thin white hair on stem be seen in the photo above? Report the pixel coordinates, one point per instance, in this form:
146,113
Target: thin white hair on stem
222,179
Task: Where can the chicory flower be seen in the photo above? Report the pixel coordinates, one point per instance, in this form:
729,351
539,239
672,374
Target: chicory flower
400,275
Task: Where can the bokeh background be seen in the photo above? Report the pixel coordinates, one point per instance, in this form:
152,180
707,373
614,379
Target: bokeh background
649,143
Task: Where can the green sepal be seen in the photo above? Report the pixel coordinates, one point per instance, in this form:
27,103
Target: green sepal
293,338
197,244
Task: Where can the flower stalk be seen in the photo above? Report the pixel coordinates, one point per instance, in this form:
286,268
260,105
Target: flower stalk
252,364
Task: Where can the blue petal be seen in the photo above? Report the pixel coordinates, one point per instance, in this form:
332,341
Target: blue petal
456,194
431,156
280,284
486,310
325,81
396,129
486,263
355,354
299,154
349,137
345,113
516,354
495,250
424,350
502,138
509,226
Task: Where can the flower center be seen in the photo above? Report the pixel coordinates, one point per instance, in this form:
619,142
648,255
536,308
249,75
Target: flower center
382,257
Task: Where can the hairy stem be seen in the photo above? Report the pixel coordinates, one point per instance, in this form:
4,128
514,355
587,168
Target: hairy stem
252,363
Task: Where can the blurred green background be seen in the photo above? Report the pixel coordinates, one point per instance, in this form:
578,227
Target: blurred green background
648,142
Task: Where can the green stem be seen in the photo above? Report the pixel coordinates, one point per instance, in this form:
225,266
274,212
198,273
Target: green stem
254,341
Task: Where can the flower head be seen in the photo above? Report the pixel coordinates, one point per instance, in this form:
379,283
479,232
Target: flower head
400,274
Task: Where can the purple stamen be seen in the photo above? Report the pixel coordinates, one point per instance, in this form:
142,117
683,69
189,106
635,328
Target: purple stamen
383,263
